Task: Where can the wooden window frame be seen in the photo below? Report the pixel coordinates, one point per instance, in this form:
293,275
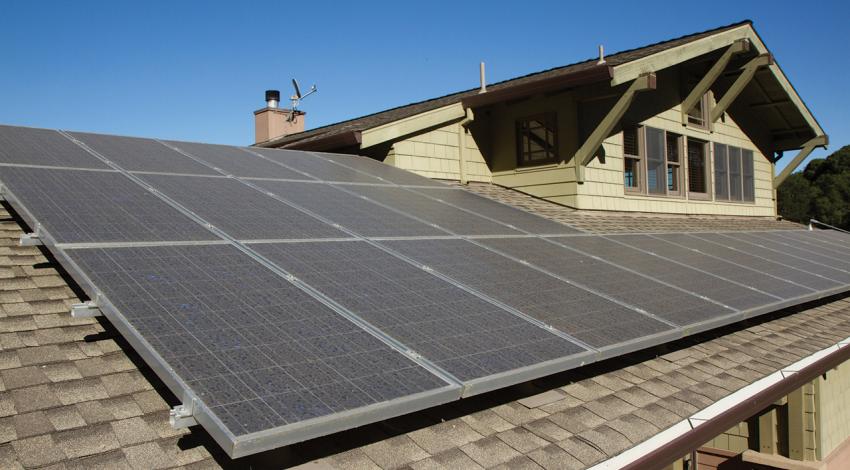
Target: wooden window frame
643,168
709,169
700,122
728,175
640,171
549,118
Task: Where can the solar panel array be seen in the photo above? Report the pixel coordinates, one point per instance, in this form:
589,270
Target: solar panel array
286,295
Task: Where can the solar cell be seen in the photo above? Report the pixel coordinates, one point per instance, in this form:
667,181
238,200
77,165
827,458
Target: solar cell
443,215
802,264
503,213
810,241
381,170
751,261
135,154
712,287
764,239
317,167
677,306
28,146
456,330
241,211
260,353
348,210
737,272
80,206
237,162
590,318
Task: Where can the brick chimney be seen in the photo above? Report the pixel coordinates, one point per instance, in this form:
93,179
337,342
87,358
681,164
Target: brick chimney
272,122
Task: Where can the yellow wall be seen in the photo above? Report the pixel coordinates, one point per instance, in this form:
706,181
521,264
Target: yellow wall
435,154
833,397
491,152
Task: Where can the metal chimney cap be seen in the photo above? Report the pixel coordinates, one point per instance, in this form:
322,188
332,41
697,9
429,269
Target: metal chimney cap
272,95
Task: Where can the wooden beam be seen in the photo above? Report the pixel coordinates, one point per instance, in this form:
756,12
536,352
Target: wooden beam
748,72
819,141
796,427
410,125
588,150
770,104
767,432
701,88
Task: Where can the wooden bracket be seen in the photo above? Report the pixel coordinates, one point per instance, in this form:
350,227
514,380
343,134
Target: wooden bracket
819,141
748,71
701,88
589,148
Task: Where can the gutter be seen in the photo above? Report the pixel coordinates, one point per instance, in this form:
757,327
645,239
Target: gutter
680,439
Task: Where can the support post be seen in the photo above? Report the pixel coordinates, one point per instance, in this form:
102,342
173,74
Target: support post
588,150
808,147
748,71
767,432
796,427
701,88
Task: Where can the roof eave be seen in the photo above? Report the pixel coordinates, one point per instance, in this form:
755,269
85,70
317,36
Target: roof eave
590,75
327,142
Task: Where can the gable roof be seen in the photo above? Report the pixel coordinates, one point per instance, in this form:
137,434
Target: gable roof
394,114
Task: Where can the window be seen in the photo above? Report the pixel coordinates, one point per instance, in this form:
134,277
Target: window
698,115
651,161
632,169
697,167
537,140
733,174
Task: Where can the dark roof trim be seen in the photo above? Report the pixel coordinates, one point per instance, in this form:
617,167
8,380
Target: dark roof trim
332,141
582,77
661,457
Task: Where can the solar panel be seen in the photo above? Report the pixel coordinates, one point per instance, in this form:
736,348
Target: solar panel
503,213
764,239
751,260
348,210
135,154
241,211
385,172
802,264
456,330
23,145
810,241
736,272
332,291
678,306
262,355
236,161
317,167
590,318
720,290
81,206
424,208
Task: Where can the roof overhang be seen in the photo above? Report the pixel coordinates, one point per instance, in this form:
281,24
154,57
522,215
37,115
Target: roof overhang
594,74
772,91
324,142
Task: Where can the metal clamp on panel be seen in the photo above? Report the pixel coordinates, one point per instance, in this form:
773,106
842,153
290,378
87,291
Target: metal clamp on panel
2,192
86,310
31,239
181,416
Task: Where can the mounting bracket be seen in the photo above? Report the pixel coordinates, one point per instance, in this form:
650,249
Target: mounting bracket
32,239
87,309
2,192
181,416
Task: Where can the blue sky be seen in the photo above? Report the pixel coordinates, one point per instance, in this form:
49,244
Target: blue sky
197,70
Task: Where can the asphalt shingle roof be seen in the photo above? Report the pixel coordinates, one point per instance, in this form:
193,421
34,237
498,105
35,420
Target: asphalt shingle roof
401,112
74,395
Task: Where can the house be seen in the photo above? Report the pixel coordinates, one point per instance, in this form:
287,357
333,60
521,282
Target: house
765,392
693,125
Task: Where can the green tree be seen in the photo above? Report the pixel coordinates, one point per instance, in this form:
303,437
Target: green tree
821,191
